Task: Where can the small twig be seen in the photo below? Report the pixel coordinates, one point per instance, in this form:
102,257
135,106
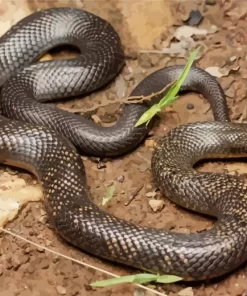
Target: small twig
127,100
141,99
133,195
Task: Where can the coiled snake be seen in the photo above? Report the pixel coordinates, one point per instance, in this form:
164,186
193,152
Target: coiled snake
33,135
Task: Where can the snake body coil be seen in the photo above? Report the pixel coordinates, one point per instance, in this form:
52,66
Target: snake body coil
37,146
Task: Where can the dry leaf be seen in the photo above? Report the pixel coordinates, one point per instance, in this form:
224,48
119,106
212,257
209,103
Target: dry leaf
217,72
14,193
220,72
188,31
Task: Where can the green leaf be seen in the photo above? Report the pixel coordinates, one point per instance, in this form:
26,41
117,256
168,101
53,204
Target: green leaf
109,193
147,116
141,278
167,279
171,95
138,278
176,86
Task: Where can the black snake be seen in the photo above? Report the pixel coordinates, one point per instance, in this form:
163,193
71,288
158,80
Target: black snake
34,135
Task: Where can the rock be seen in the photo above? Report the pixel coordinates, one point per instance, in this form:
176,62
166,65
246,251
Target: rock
184,32
43,219
195,18
55,259
156,205
40,249
216,71
190,106
27,250
61,290
120,179
96,118
233,58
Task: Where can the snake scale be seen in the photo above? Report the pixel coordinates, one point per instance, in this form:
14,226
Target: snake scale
46,140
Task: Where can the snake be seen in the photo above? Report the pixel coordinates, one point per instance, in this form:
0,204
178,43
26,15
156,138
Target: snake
48,142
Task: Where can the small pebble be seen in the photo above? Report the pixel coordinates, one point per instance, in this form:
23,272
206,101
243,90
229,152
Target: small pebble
151,194
195,18
190,106
96,118
40,249
120,179
43,219
31,233
61,290
233,58
27,250
156,205
101,165
55,259
43,212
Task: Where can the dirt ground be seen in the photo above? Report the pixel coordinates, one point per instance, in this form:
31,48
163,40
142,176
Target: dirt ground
154,36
